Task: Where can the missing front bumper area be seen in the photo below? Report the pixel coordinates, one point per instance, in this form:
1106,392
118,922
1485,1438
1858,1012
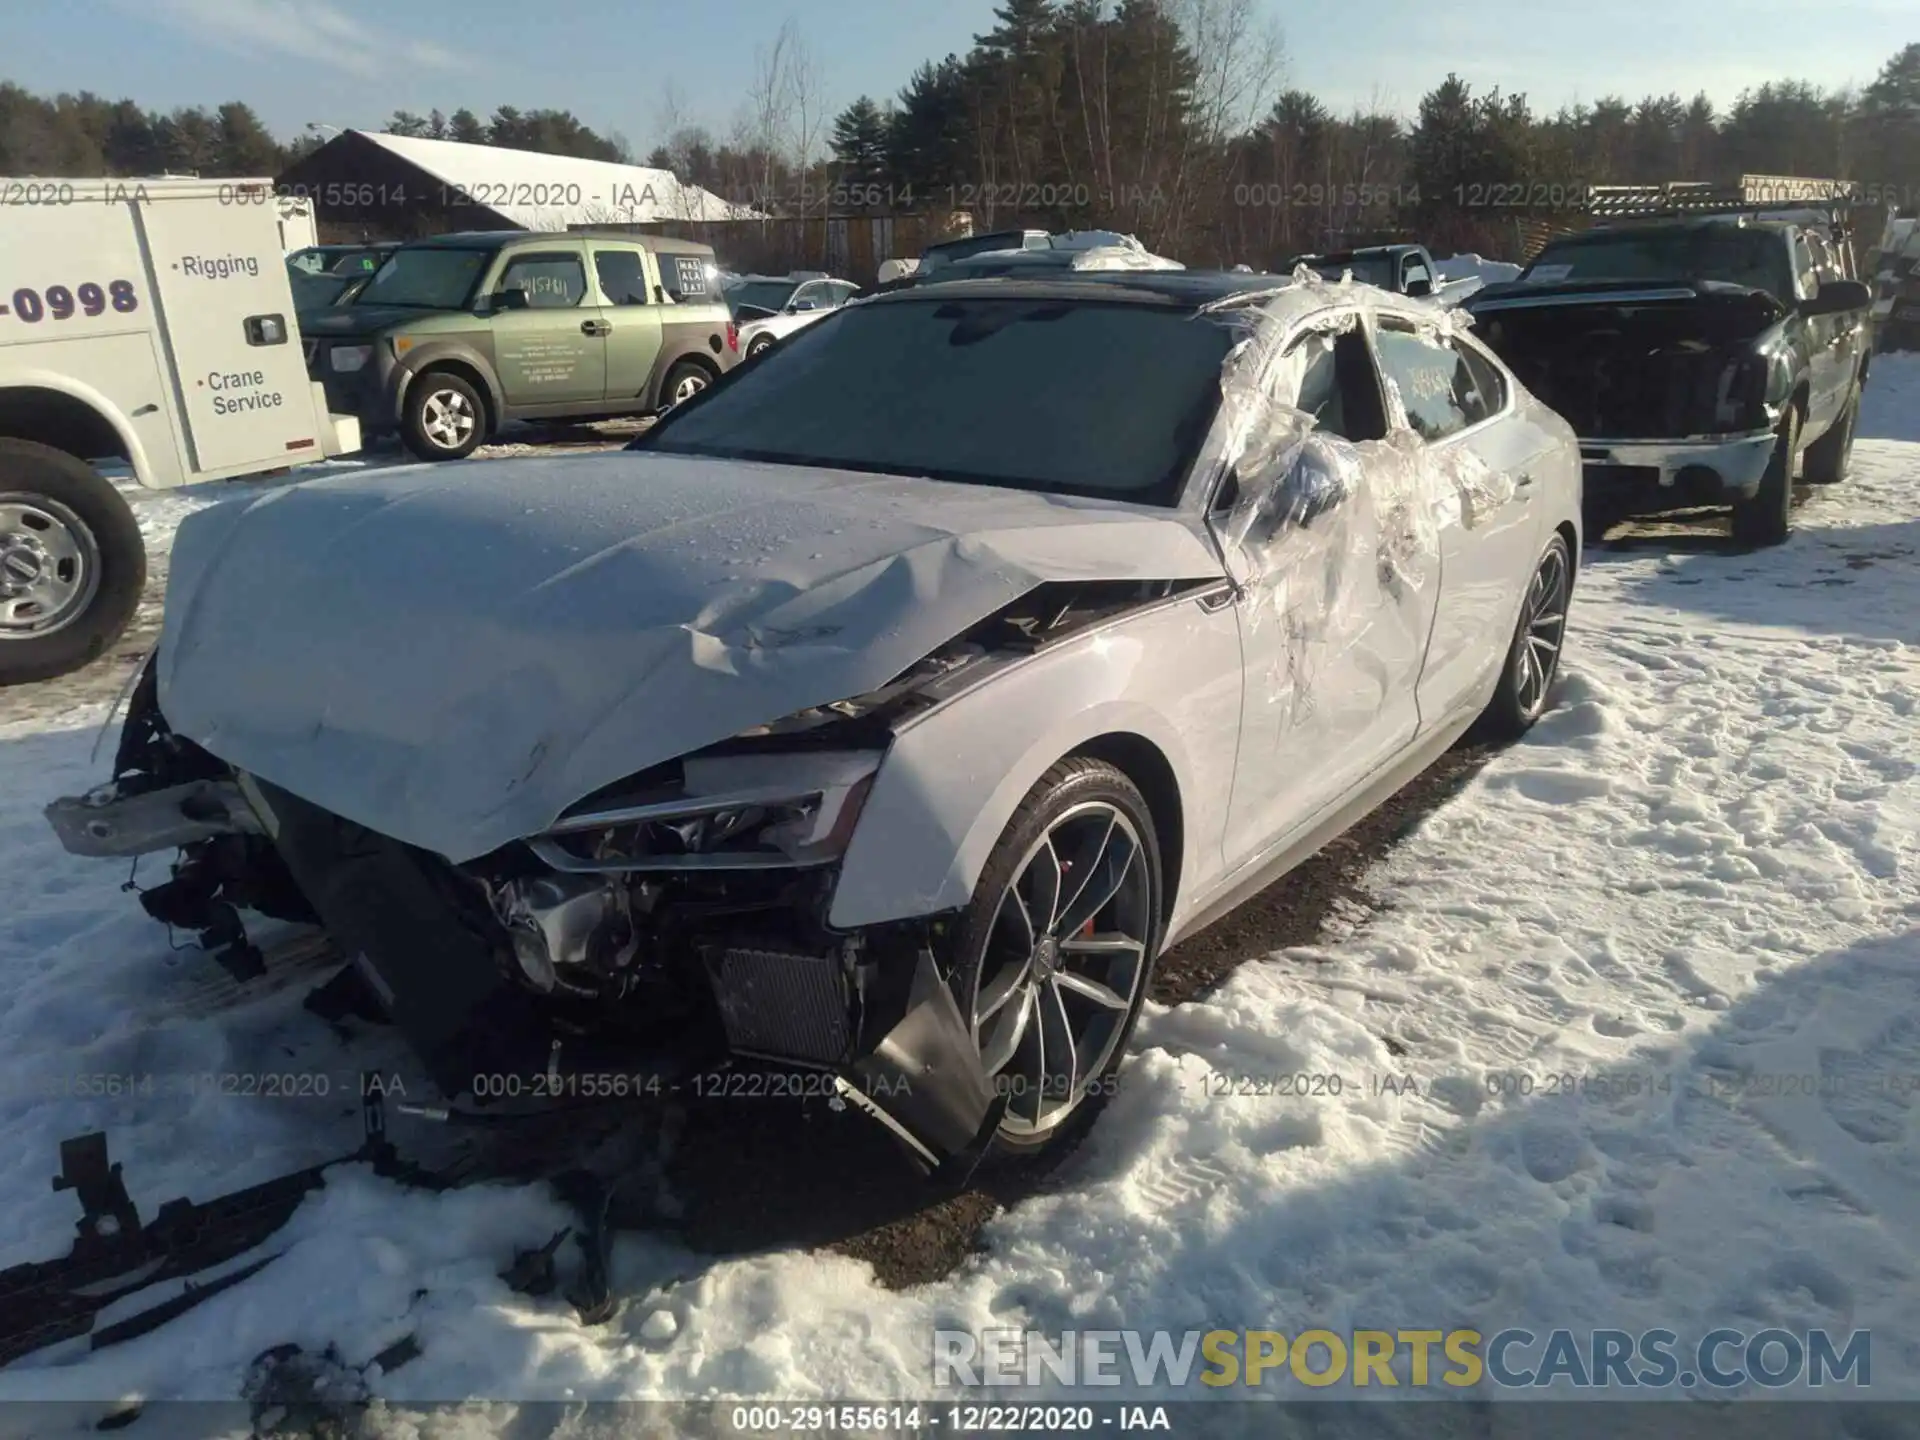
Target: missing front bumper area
871,1010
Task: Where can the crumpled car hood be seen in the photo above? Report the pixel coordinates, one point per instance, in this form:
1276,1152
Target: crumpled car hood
453,654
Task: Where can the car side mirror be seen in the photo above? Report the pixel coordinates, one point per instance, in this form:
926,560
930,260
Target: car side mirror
1836,297
1306,482
801,307
1419,288
514,299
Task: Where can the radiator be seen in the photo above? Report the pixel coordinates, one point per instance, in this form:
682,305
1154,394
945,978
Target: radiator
778,1005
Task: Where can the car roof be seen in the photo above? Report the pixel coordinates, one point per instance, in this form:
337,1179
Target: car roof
1186,290
1361,252
1667,227
468,240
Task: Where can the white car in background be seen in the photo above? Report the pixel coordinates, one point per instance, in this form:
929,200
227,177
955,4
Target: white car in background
769,308
884,712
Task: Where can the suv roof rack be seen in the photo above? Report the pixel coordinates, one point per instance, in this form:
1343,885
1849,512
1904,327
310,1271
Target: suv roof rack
1750,195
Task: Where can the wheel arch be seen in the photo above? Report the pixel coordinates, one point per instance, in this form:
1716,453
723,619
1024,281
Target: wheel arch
674,355
67,415
930,823
467,368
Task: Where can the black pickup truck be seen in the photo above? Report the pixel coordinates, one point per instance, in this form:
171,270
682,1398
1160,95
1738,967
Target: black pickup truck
1403,269
1698,359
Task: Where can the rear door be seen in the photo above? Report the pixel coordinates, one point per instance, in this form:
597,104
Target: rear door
1458,403
633,320
226,307
554,352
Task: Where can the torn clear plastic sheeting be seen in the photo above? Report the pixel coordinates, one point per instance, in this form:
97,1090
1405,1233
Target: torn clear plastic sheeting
1329,538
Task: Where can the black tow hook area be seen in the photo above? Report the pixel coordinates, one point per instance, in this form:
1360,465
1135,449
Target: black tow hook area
925,1084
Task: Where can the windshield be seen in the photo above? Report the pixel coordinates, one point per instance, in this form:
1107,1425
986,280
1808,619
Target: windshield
1367,269
1754,258
1081,397
762,294
429,277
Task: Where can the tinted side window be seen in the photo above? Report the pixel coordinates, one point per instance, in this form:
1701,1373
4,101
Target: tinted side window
552,281
1803,265
684,277
1436,388
623,279
1489,384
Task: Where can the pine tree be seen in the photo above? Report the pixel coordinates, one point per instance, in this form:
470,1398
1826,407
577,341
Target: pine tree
466,127
860,143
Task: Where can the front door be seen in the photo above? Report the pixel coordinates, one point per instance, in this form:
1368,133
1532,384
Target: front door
554,351
633,323
1456,403
1337,598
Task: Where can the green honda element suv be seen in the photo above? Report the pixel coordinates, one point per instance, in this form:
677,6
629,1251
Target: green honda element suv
456,335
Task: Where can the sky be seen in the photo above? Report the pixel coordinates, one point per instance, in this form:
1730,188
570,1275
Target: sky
627,65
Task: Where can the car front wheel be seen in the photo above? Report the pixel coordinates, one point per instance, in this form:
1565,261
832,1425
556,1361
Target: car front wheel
445,417
1055,950
1767,518
72,564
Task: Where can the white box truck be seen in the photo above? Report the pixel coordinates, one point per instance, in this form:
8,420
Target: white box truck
146,324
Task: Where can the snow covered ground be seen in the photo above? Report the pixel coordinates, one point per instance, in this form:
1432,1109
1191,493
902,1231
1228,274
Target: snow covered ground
1697,876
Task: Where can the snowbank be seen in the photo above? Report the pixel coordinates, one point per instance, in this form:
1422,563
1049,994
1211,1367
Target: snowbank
1488,272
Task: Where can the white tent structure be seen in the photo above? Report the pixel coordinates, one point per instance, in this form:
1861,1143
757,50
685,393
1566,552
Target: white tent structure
523,189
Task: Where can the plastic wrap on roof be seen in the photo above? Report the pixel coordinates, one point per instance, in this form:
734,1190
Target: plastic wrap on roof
1123,257
1094,240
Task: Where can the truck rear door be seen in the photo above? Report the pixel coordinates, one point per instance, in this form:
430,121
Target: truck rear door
227,322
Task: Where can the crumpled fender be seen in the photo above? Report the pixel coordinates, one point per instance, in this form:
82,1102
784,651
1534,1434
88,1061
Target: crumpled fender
1169,675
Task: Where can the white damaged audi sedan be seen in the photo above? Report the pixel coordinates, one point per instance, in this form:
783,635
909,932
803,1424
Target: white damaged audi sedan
881,714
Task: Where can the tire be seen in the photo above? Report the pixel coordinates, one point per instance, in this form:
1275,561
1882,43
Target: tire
1830,457
759,346
445,417
1767,519
72,564
1533,656
1099,817
685,380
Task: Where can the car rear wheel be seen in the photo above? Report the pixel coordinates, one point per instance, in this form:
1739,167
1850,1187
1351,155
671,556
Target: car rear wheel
1830,457
1533,659
1767,518
684,381
445,417
72,564
1055,951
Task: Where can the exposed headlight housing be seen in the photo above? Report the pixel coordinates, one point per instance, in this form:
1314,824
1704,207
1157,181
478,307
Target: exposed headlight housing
345,359
736,812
